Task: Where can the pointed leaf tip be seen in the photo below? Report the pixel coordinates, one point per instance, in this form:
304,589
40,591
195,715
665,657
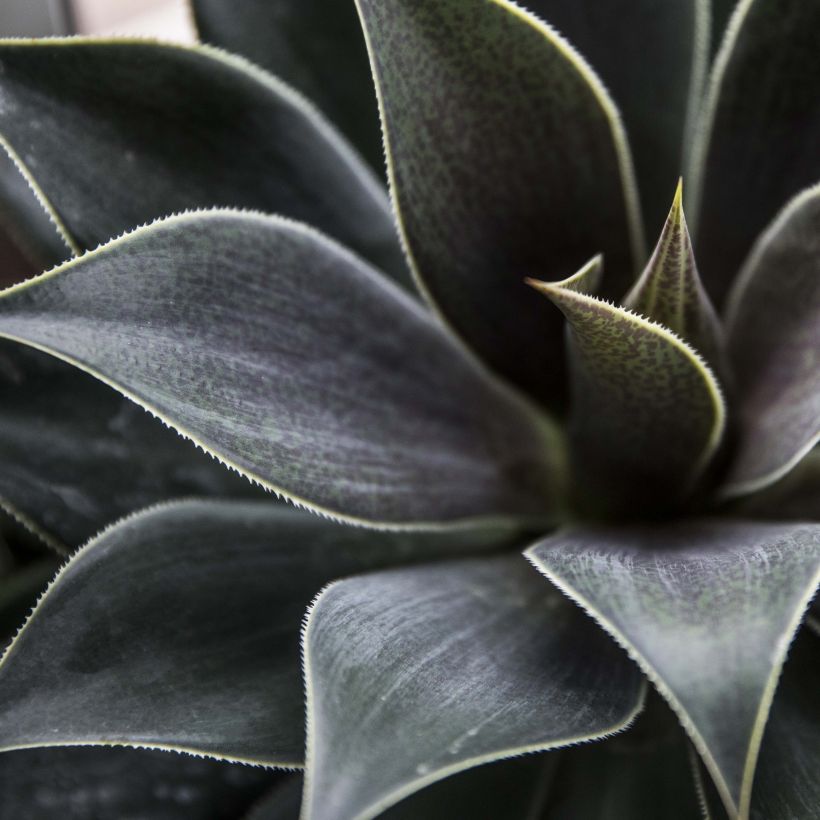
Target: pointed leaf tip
670,292
587,280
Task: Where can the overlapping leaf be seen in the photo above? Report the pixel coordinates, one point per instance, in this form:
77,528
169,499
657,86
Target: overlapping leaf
474,661
773,328
296,363
653,58
126,784
315,45
757,145
708,609
507,159
179,628
155,129
647,414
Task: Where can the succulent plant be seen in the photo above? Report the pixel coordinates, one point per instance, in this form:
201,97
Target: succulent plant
560,493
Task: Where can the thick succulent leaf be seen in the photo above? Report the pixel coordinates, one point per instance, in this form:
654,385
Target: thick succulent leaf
512,789
179,628
795,497
647,413
670,292
124,784
773,330
507,159
652,57
620,777
757,142
787,786
473,661
295,363
77,455
708,609
180,127
30,241
315,45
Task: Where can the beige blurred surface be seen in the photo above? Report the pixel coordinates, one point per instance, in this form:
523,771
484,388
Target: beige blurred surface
165,19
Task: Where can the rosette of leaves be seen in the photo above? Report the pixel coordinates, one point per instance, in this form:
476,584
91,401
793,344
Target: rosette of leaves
544,469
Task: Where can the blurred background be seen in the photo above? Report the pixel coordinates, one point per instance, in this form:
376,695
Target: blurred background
166,19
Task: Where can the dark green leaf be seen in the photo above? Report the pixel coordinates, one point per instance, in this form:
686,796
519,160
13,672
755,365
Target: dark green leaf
757,145
295,363
178,628
507,159
670,292
155,129
417,674
124,784
787,786
77,455
773,330
708,609
647,413
315,45
652,56
794,497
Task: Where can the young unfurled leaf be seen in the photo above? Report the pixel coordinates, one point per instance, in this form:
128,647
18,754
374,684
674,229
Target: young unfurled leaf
299,365
157,129
652,56
125,784
647,414
77,455
507,158
670,292
757,145
773,331
708,609
471,662
179,628
315,45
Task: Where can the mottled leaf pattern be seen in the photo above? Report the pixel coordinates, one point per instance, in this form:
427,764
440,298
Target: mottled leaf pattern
757,145
670,292
475,661
708,609
507,160
180,128
773,328
647,414
315,45
179,628
296,363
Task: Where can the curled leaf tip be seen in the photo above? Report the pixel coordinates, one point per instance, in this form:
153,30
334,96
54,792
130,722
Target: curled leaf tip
670,292
586,280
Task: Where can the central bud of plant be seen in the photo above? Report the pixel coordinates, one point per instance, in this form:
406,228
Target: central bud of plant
647,411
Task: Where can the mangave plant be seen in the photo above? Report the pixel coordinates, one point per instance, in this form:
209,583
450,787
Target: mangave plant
560,517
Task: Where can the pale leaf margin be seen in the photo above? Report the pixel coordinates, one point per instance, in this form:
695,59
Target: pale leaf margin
430,778
619,137
551,431
779,654
734,299
31,526
131,518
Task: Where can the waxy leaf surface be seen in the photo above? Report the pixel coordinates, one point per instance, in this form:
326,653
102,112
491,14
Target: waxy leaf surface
506,160
773,328
647,414
295,362
317,46
652,57
179,628
124,784
758,139
474,661
156,129
77,455
708,609
669,290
